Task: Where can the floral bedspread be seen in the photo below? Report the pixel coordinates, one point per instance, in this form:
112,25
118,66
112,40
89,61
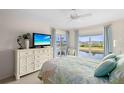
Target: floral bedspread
70,70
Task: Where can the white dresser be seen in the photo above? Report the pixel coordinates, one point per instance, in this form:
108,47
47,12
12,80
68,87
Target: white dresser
30,60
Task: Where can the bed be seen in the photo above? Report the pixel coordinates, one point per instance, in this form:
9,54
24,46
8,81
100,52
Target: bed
71,70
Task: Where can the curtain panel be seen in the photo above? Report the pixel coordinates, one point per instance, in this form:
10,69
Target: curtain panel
108,40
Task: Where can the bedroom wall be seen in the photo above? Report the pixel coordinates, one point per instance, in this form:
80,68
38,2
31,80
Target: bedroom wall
71,39
118,36
10,27
94,30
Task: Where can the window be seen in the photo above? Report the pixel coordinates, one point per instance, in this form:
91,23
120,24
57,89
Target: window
61,44
91,46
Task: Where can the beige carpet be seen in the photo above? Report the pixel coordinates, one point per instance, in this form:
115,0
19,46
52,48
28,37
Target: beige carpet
28,79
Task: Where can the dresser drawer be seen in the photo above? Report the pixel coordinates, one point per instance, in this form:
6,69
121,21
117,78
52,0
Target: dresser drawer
30,67
46,59
41,51
23,61
46,51
37,65
51,56
38,57
51,52
25,53
30,59
37,52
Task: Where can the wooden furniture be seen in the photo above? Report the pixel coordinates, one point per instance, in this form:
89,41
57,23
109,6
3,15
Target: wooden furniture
30,60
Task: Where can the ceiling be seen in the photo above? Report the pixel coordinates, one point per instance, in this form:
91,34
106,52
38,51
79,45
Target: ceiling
60,18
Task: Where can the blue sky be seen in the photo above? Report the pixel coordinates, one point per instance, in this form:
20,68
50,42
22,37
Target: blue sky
93,38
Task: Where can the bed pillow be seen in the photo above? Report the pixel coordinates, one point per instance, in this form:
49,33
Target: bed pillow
105,67
118,57
109,56
117,75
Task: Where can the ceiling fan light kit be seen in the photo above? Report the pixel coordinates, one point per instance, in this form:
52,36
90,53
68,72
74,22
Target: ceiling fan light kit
75,15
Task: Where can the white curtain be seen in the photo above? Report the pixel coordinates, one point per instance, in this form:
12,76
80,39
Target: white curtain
108,40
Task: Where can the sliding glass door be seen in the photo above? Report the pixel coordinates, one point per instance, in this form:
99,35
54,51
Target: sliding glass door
92,46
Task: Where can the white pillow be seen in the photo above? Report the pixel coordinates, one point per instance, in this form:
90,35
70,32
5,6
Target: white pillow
118,57
117,75
109,56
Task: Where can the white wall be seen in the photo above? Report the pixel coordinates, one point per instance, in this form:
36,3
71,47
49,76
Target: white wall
71,39
60,32
118,36
95,30
10,28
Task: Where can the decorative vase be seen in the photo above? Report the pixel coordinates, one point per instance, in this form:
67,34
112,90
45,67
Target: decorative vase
27,43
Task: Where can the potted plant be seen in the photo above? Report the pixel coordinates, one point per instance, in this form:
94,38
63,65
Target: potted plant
27,37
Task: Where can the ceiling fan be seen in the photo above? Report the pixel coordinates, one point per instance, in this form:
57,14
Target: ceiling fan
74,15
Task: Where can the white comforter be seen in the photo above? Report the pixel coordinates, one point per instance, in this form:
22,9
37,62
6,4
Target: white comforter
70,70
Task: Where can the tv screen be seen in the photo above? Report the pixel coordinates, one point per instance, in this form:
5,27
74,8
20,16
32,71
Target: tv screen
41,39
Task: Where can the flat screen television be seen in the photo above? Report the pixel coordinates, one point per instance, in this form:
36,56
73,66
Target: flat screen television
40,40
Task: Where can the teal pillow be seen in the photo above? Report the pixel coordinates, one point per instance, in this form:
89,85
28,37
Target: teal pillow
109,56
105,67
117,75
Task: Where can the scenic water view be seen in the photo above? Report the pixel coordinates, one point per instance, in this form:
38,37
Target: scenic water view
92,46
